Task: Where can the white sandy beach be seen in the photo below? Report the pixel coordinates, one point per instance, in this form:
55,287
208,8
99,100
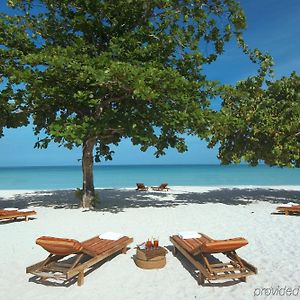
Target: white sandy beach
273,243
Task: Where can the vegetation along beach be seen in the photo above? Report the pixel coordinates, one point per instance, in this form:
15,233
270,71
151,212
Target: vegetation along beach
149,149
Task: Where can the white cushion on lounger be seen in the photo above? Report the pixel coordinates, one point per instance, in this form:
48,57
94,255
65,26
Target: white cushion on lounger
25,210
111,236
189,235
11,208
288,204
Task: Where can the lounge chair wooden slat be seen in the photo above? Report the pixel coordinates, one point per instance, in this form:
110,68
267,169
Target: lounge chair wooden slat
96,259
222,264
63,265
223,269
45,275
56,268
96,246
15,214
240,276
96,242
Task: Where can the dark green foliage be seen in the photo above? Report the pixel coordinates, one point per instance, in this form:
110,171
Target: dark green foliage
258,123
13,44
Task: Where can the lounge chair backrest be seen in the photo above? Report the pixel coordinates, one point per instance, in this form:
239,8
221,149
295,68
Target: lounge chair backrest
163,185
205,244
59,246
218,246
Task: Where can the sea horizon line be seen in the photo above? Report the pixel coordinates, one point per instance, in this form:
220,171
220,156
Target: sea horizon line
131,165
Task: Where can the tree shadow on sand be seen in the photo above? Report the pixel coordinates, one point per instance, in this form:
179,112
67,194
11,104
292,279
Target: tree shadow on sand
115,201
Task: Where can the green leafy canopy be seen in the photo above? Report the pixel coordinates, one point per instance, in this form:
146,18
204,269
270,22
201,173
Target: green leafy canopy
101,71
260,124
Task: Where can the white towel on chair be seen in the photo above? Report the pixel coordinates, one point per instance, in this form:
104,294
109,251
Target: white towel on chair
189,235
10,208
111,236
24,210
288,204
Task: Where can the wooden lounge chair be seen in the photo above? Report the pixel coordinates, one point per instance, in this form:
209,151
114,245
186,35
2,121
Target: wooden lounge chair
69,258
162,187
198,251
294,209
16,214
141,187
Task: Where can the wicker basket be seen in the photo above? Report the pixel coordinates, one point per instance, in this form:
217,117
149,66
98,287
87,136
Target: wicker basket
155,262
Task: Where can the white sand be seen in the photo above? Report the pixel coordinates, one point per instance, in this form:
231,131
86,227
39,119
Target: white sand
273,248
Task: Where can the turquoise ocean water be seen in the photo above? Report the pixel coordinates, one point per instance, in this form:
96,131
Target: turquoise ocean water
67,177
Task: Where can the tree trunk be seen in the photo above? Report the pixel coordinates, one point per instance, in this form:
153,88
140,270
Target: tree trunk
87,173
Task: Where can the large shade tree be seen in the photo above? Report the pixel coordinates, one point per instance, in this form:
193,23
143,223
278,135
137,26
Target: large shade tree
260,123
95,72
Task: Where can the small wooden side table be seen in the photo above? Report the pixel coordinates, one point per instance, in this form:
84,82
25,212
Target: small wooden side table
151,258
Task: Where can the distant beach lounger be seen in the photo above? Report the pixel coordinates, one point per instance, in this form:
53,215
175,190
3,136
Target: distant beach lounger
16,214
198,251
162,187
141,187
294,209
69,258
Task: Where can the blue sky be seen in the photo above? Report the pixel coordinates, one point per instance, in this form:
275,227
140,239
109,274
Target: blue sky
273,26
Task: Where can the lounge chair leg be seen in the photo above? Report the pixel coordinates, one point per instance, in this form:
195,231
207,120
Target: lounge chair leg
201,278
80,279
124,250
174,251
243,279
26,218
238,260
